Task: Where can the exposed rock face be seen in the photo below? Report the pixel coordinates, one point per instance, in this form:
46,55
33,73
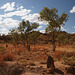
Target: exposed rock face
70,70
50,64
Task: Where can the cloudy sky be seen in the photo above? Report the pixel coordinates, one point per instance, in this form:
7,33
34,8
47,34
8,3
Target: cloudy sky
14,11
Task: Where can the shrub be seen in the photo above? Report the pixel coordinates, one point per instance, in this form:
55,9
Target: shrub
1,57
72,63
2,64
58,55
8,57
2,50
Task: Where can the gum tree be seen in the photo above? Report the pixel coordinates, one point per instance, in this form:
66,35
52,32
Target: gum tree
23,30
54,21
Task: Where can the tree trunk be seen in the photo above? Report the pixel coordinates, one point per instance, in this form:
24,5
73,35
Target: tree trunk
28,46
54,46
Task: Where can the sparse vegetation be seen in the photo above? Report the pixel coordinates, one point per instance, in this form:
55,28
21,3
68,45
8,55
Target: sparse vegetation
54,21
26,49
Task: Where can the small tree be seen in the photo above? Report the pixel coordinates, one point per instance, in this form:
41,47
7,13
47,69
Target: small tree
23,30
15,36
54,21
33,36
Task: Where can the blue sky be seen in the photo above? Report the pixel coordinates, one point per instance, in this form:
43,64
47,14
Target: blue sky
14,11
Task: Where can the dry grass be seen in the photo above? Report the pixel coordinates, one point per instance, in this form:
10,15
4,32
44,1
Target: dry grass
39,51
3,64
8,57
1,57
67,48
58,55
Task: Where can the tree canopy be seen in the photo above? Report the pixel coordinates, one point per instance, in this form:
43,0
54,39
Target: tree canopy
22,31
54,21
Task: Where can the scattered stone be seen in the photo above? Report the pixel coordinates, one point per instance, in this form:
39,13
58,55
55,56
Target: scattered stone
32,64
28,66
41,67
70,70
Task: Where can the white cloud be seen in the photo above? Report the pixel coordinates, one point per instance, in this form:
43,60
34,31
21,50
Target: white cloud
32,7
31,17
6,20
74,27
63,29
4,31
9,23
20,8
43,22
17,13
39,27
73,10
0,17
42,31
34,18
8,6
23,13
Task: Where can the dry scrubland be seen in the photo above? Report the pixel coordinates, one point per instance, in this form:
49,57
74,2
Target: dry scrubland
26,62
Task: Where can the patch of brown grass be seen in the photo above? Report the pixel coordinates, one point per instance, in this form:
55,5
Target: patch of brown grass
1,57
58,55
2,64
8,57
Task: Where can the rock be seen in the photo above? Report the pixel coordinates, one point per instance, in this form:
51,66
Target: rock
41,67
50,64
70,70
50,71
28,66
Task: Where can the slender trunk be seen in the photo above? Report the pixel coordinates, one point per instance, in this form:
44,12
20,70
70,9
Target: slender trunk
28,46
54,46
34,44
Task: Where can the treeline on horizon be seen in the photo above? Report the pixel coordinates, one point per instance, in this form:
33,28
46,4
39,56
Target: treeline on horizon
62,38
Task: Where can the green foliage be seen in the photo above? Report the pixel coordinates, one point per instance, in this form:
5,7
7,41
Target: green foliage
65,58
54,21
26,26
21,34
62,39
51,16
2,49
33,36
69,60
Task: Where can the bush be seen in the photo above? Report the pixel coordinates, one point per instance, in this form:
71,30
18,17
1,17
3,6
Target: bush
69,60
72,63
2,51
2,64
8,57
1,57
58,55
